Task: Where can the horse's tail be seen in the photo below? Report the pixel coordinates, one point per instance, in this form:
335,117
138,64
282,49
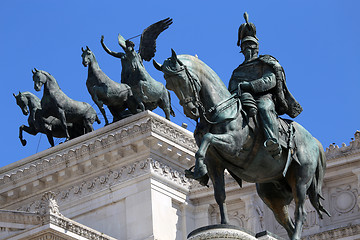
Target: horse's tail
316,184
171,110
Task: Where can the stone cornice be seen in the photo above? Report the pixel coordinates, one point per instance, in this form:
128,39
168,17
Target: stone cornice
342,232
334,151
121,131
49,214
60,221
75,227
19,217
127,141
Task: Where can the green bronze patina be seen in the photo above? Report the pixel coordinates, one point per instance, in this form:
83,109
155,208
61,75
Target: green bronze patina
50,126
146,90
57,104
116,96
229,139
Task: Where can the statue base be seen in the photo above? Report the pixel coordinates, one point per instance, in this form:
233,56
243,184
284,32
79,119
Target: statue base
221,232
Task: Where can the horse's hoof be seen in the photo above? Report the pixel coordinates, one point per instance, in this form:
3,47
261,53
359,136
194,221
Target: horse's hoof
204,180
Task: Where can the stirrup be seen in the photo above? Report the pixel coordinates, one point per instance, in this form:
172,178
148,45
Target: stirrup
203,179
273,147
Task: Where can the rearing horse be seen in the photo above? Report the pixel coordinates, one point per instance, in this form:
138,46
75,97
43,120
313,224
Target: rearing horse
227,141
50,126
57,104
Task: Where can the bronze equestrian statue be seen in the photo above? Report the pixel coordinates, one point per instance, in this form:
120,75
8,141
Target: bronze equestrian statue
146,90
231,135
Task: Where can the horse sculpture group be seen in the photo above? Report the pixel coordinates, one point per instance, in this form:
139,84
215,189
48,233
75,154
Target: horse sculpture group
227,139
57,115
50,126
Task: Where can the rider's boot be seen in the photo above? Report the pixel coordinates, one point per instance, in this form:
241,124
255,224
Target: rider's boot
200,171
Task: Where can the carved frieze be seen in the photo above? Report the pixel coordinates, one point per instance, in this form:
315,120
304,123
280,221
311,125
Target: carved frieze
111,178
83,150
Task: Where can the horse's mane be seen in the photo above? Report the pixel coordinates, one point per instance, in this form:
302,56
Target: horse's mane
34,99
196,66
47,74
31,95
198,69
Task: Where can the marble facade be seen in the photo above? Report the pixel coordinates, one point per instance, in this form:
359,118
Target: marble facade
126,181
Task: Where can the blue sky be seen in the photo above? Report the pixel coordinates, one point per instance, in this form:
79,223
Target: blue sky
315,41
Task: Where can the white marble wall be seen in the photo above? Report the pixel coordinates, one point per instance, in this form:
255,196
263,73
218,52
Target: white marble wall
127,181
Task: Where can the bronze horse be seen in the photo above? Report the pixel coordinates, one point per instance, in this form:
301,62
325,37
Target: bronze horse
226,140
50,126
57,104
117,96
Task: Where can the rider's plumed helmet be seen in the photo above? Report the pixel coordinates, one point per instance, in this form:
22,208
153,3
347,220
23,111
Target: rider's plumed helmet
247,32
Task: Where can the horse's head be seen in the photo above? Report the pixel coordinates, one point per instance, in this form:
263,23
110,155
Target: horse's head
87,56
184,83
22,102
39,79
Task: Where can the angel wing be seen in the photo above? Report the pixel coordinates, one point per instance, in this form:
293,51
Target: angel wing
148,38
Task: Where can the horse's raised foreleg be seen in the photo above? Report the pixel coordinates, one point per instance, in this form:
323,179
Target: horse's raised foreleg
216,173
31,130
222,142
200,168
277,198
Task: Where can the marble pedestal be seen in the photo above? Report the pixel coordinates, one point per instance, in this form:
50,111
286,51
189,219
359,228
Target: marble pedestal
220,232
229,232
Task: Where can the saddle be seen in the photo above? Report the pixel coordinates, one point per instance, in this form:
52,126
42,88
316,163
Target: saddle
286,137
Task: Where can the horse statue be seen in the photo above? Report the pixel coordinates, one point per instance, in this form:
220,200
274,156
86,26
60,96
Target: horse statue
148,91
103,90
227,140
57,104
50,126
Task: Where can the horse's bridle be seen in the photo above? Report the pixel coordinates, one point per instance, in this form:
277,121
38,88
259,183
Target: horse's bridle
193,85
197,102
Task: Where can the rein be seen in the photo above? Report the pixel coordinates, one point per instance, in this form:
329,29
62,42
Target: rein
213,110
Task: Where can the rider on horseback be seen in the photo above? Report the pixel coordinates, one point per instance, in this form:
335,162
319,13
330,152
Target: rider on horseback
260,83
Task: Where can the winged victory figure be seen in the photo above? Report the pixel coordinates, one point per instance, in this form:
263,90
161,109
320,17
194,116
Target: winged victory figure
146,90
